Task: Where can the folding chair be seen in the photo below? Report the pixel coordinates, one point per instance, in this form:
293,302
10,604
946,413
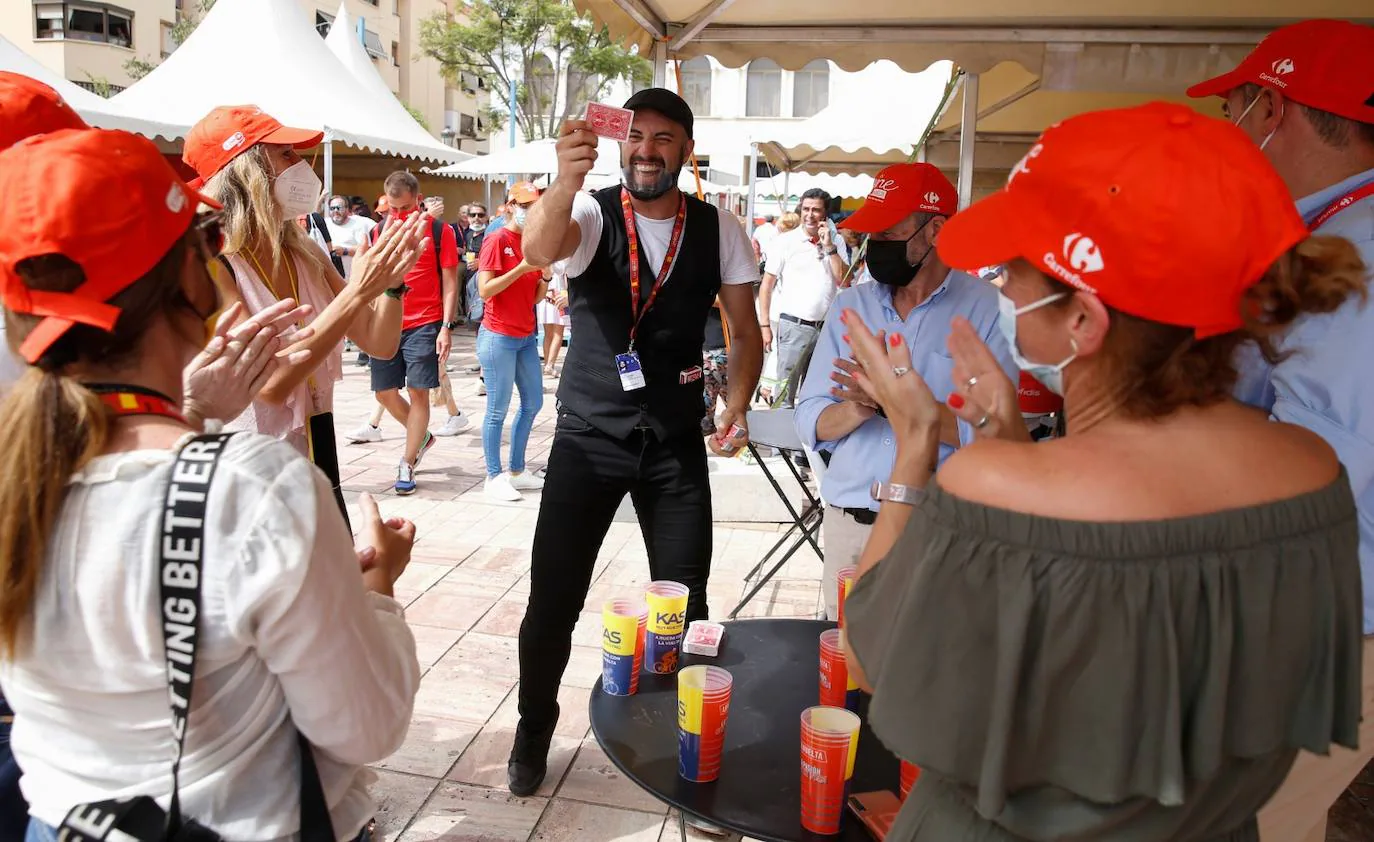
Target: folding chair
775,428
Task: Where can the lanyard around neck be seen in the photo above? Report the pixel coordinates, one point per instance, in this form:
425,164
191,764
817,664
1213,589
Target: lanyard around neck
632,234
1341,204
124,400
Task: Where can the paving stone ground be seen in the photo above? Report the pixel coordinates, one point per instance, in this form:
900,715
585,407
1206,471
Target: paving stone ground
465,593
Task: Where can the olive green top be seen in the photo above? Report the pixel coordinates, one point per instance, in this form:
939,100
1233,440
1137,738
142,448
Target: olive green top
1132,681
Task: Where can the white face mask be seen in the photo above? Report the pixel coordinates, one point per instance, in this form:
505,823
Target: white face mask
518,217
1050,374
297,190
1241,119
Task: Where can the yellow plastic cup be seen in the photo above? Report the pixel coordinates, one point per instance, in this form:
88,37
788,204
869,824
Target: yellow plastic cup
667,603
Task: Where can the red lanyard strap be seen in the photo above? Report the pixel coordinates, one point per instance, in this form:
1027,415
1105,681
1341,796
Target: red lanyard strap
1341,204
632,234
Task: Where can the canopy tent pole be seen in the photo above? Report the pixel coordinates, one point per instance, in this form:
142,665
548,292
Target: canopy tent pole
921,154
787,183
968,136
660,64
753,172
328,167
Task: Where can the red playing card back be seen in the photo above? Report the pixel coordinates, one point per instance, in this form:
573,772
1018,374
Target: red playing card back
609,121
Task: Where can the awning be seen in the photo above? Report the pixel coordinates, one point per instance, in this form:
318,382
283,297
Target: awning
267,53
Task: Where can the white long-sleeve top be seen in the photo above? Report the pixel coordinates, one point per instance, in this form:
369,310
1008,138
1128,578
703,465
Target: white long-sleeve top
288,635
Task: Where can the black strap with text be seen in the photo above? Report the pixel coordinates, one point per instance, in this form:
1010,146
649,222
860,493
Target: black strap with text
181,549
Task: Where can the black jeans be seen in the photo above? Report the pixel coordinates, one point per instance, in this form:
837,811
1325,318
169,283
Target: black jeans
588,474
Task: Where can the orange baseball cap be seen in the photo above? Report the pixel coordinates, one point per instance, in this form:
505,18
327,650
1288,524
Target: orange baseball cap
899,191
1157,210
523,192
110,202
1324,64
229,131
383,204
29,107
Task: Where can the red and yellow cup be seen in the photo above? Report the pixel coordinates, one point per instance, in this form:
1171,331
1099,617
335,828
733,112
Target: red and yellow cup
622,646
829,744
910,772
703,705
844,583
667,603
838,688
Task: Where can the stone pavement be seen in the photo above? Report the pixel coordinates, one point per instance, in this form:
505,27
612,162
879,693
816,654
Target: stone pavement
465,593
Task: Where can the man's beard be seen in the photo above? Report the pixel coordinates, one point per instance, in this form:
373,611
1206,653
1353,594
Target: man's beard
667,179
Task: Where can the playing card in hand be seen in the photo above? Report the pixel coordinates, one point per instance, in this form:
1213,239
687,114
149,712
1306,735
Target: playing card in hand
609,121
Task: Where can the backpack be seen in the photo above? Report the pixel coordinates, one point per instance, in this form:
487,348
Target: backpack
315,221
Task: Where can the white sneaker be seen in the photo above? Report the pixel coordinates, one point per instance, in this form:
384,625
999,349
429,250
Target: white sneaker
526,481
454,425
481,389
365,433
499,488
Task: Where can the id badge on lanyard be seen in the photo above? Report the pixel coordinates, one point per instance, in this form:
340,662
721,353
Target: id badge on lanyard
628,364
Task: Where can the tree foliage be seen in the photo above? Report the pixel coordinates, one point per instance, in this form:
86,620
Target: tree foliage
542,49
187,21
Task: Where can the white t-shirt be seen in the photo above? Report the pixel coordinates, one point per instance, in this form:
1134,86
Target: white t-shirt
806,282
352,233
765,234
287,634
737,264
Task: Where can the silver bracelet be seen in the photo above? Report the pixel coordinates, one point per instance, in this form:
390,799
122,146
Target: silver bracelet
892,492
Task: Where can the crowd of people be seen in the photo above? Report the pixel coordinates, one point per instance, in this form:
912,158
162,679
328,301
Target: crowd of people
1153,625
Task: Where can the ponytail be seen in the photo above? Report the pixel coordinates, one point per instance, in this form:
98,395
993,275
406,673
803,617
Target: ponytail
54,427
1315,276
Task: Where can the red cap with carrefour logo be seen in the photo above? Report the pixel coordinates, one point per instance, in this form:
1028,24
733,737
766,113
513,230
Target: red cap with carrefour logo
1324,64
899,191
29,107
109,203
229,131
1157,210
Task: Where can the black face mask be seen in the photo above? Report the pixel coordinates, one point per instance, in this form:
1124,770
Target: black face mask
887,263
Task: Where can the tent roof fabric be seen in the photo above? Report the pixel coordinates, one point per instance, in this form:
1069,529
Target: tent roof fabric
267,53
99,112
538,157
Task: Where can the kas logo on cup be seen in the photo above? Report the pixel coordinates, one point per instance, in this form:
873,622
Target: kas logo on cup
667,622
620,651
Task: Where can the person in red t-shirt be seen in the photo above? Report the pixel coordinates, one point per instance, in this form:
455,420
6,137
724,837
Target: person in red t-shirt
430,311
508,345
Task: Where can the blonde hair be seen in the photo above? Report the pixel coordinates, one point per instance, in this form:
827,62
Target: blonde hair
54,424
788,221
252,218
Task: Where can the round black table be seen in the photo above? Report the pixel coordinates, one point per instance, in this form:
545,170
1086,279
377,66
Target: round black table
775,664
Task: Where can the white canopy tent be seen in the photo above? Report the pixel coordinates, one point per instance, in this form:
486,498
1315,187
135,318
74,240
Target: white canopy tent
1072,55
538,157
851,136
98,111
267,53
346,44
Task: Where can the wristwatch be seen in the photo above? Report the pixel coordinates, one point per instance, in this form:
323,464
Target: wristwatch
450,325
893,492
397,292
832,251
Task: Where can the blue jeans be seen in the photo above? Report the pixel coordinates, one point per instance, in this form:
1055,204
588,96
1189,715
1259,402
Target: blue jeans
509,363
14,811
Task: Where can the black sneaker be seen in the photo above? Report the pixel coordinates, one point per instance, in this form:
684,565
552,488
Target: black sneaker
529,761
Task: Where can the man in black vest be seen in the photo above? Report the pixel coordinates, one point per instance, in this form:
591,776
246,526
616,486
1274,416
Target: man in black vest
644,264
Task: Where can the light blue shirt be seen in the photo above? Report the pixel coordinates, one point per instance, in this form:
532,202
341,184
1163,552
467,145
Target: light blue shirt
1326,385
869,453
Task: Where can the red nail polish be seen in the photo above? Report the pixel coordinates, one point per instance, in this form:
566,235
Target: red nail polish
895,339
844,316
956,401
845,337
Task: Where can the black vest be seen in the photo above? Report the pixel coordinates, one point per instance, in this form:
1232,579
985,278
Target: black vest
669,338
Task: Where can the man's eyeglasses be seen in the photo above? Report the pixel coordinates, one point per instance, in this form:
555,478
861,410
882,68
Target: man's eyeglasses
476,214
337,207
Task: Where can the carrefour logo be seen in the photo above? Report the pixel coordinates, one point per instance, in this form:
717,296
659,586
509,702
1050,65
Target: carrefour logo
1280,68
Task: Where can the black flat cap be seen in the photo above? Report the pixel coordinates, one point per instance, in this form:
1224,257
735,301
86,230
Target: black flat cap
665,102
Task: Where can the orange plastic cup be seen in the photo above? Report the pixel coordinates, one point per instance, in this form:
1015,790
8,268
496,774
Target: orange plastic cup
910,772
844,583
829,744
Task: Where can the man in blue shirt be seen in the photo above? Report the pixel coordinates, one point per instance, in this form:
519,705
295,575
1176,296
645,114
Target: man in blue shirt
915,295
1306,96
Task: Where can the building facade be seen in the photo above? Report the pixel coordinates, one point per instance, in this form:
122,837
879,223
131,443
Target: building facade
91,44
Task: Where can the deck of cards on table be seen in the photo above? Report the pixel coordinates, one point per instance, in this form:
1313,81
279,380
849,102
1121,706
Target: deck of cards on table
609,121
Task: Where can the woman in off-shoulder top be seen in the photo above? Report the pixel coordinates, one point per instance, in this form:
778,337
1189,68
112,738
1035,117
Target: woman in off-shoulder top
1129,633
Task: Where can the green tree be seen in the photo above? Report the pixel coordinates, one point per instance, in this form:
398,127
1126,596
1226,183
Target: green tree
137,68
417,114
187,21
534,47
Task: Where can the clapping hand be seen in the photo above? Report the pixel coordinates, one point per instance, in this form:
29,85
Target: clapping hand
384,264
884,372
983,394
848,389
224,378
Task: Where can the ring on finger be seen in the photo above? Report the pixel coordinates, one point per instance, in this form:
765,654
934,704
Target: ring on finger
899,370
981,422
971,382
